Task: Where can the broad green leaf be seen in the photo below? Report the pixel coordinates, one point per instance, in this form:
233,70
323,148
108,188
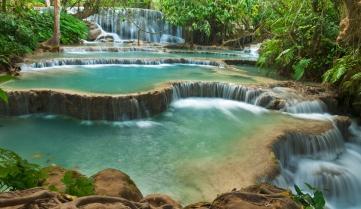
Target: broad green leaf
3,96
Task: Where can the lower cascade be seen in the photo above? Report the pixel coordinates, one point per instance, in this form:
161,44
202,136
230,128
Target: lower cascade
325,161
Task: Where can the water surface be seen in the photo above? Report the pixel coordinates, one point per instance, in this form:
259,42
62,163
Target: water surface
119,79
159,153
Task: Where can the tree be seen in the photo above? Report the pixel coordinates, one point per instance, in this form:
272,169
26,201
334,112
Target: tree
55,40
214,21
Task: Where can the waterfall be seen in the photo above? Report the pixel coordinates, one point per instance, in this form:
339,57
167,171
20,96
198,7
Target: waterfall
116,61
327,161
126,23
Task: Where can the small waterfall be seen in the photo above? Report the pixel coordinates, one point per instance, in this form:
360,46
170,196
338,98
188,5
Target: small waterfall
126,23
78,49
327,161
117,61
104,35
315,106
216,90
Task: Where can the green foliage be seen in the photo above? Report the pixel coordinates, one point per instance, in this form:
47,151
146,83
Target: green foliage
346,73
3,95
77,185
317,201
302,35
217,18
72,29
17,173
21,32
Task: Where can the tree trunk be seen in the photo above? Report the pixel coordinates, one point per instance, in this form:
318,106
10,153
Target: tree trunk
55,40
350,33
4,6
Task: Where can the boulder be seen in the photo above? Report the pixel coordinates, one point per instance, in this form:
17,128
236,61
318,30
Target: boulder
54,177
112,182
161,201
199,205
343,123
93,34
261,196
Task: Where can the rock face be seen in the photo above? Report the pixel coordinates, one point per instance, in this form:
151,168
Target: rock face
112,182
87,107
94,31
255,197
161,201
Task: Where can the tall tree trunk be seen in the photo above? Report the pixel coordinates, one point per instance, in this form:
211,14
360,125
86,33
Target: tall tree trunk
55,40
4,6
350,33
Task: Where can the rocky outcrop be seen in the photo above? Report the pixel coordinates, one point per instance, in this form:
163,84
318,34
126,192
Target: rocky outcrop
94,31
87,107
262,196
256,197
112,182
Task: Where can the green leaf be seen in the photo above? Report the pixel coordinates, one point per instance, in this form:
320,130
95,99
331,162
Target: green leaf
5,78
3,96
300,68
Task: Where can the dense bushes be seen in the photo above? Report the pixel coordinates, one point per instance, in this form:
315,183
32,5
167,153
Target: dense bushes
21,33
17,173
303,37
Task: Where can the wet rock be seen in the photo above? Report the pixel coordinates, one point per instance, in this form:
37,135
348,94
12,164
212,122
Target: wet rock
262,196
199,205
161,201
343,123
112,182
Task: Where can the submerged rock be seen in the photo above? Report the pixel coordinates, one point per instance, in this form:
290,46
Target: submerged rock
112,182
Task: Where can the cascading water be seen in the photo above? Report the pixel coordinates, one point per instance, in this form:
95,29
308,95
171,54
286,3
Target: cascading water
128,22
116,61
326,161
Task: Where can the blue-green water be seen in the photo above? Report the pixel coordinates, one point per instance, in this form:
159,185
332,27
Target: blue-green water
153,152
113,79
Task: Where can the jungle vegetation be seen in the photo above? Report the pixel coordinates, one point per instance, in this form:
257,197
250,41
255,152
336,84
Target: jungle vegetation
300,38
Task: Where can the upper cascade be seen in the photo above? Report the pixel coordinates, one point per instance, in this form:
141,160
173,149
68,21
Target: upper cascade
127,22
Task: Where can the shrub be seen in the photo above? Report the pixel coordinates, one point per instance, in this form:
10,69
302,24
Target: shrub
17,173
77,184
315,201
21,32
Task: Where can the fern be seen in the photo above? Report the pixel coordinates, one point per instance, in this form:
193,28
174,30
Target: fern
300,68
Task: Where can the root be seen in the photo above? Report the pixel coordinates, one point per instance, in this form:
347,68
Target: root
27,199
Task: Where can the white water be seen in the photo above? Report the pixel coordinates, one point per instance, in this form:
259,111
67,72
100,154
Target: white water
328,162
127,22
